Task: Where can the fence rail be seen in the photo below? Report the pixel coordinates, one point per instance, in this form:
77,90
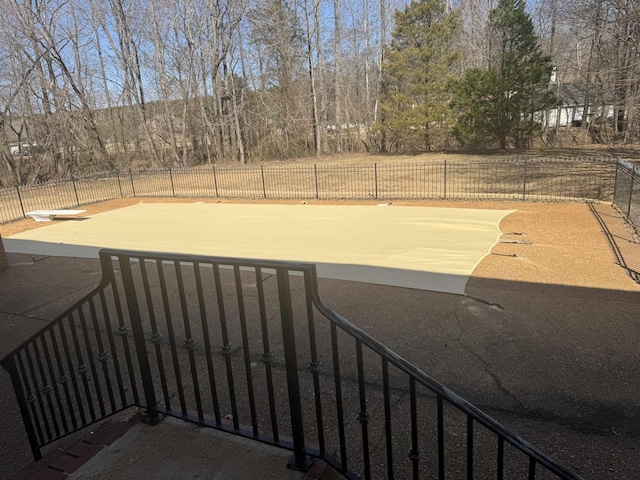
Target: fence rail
516,179
249,347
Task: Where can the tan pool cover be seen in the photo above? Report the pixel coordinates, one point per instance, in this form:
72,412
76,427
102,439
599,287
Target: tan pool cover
417,247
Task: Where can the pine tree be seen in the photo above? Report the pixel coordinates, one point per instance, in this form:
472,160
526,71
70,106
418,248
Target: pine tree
509,96
478,102
414,99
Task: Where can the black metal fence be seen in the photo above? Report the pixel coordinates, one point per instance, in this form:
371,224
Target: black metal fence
249,347
515,179
627,191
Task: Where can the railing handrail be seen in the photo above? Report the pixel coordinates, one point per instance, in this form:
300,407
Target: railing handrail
282,268
452,397
367,340
107,253
105,281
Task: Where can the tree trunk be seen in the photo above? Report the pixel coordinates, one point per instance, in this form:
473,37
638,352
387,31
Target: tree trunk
162,80
336,75
312,82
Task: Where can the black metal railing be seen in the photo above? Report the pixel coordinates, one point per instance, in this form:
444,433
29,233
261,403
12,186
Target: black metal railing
627,191
510,179
249,347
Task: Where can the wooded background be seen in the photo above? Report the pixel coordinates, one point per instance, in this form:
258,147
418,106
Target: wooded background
96,85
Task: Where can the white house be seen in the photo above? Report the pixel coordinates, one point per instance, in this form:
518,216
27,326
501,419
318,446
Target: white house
570,112
24,149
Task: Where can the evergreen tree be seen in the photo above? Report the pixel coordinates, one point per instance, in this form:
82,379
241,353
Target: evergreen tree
503,104
479,103
414,99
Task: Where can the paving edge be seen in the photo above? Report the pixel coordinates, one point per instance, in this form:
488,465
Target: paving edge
67,458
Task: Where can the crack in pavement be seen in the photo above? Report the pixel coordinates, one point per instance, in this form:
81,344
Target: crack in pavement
487,368
50,301
26,317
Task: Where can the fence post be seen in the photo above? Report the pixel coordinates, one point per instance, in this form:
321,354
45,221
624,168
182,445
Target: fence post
153,417
299,460
264,189
75,189
20,200
630,195
215,180
315,170
133,189
445,180
375,175
524,183
120,185
615,180
173,190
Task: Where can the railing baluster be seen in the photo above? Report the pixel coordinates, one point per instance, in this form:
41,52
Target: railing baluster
155,336
226,347
31,396
207,344
500,468
123,332
266,355
72,373
103,356
189,341
363,416
245,348
387,418
469,447
9,363
37,391
137,331
82,368
172,338
54,386
300,460
339,406
440,439
63,379
532,468
314,365
92,363
112,346
414,453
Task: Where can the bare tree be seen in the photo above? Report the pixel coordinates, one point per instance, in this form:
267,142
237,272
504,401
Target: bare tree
312,82
337,37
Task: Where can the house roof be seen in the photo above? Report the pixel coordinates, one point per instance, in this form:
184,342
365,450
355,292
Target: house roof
573,94
569,93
